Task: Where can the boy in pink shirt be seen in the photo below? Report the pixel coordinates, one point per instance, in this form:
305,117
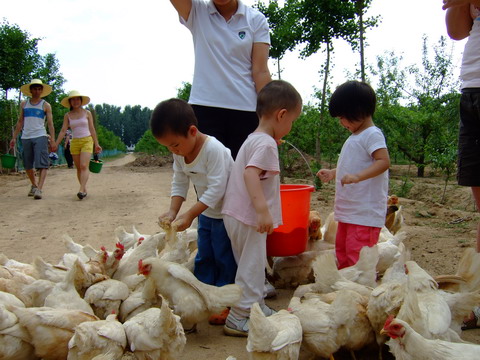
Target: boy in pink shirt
251,206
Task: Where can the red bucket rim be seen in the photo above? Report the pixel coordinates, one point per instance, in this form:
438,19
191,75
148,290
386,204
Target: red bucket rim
296,187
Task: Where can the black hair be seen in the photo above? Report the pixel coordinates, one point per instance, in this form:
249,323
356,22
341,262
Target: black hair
353,100
174,116
277,95
34,86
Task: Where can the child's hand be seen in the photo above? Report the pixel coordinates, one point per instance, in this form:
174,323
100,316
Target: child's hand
165,220
182,222
264,222
326,174
350,179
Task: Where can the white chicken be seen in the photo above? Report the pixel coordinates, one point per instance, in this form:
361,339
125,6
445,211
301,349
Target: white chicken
105,297
14,281
329,279
389,248
278,336
407,344
27,269
467,276
92,338
65,295
50,329
156,334
364,272
37,291
191,299
329,229
129,265
14,338
423,306
143,298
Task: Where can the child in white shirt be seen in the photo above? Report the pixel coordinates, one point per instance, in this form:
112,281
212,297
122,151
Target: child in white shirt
203,160
361,189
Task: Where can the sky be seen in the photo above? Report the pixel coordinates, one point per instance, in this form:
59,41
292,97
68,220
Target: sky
124,52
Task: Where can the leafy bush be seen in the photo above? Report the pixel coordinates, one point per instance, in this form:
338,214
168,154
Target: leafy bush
149,145
108,140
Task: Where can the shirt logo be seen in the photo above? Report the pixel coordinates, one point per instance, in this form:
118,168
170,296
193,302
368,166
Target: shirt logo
241,35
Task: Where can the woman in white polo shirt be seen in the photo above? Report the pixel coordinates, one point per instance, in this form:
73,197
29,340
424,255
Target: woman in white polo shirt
231,44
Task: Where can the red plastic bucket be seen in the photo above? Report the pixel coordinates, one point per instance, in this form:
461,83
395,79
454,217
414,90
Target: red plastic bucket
291,237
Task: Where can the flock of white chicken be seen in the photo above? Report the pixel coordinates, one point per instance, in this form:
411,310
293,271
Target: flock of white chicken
139,300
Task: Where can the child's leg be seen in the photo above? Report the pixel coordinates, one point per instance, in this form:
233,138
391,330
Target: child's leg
341,245
359,236
249,249
204,269
225,265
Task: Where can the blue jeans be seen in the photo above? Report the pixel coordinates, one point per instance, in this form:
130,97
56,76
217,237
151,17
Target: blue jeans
214,263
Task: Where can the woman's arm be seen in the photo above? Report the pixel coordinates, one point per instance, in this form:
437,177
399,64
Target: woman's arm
183,7
64,129
260,73
98,148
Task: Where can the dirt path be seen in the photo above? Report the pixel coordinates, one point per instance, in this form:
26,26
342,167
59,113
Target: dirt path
122,195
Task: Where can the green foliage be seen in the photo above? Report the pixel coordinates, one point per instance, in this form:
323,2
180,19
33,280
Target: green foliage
108,140
184,91
403,189
149,145
18,56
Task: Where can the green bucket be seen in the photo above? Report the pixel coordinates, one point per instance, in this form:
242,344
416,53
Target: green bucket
8,161
95,166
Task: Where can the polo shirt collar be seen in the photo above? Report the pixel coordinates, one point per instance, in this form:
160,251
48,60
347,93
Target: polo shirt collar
240,10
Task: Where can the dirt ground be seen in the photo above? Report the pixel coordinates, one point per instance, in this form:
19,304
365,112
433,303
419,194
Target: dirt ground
126,195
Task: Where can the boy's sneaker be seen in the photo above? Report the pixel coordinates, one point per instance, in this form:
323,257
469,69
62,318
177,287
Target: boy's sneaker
32,191
38,194
269,290
267,310
236,327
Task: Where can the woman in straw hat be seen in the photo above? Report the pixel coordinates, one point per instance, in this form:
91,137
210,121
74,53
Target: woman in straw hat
31,122
84,140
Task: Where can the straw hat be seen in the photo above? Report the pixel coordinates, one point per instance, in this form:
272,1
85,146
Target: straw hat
74,93
25,89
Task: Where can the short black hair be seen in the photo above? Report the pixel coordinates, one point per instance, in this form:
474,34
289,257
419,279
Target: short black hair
277,95
172,116
33,86
354,100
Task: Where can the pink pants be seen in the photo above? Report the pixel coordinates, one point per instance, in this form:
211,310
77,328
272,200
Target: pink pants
350,240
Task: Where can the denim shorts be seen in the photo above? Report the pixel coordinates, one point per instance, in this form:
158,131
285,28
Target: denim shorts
468,166
35,153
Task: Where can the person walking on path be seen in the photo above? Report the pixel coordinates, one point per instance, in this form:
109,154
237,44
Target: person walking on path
35,141
84,140
231,45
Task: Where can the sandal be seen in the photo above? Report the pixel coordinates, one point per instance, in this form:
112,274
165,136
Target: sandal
219,319
81,195
472,322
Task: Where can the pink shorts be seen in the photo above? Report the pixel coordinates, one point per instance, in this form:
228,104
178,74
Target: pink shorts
351,238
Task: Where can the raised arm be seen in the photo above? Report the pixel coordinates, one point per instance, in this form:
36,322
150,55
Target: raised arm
183,7
458,18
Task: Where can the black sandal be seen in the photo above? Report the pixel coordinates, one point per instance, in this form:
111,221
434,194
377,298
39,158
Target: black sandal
81,195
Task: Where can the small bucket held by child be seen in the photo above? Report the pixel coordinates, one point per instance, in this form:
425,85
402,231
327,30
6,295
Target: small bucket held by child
8,161
95,166
291,238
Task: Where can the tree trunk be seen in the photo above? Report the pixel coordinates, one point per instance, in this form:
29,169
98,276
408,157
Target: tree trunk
323,101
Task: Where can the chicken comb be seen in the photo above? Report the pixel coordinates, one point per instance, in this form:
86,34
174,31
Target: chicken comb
120,246
103,248
140,264
389,320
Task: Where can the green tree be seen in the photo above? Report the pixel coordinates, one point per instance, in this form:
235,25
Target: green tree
149,145
183,92
18,57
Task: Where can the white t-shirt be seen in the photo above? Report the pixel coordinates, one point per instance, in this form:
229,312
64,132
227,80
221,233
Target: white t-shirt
223,55
259,150
470,70
209,175
364,203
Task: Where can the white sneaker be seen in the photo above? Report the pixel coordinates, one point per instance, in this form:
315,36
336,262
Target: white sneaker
267,310
236,327
32,190
38,194
269,290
